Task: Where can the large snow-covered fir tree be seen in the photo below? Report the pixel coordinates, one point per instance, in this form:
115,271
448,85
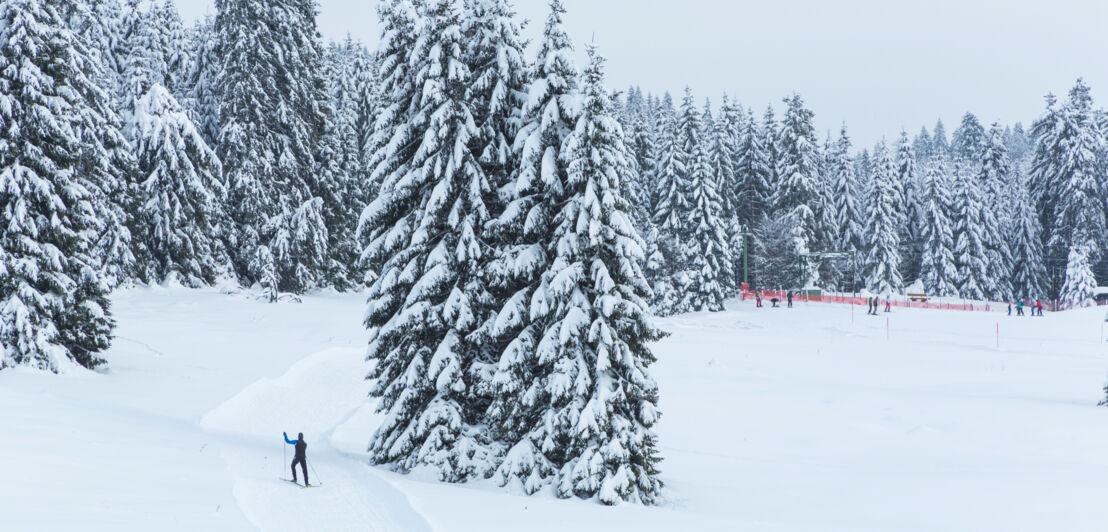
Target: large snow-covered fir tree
271,110
1079,225
797,166
707,251
1028,271
753,172
994,177
200,93
1048,132
520,412
968,141
425,229
53,304
910,216
106,166
883,227
844,192
970,254
597,322
342,176
390,146
180,214
937,267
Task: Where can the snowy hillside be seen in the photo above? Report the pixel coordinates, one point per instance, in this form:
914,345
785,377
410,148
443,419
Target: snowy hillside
773,419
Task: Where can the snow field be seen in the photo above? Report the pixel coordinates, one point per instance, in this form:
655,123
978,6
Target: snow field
773,419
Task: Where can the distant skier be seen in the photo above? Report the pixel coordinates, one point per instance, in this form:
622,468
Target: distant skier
1009,308
888,305
1039,306
758,299
299,457
789,295
1019,308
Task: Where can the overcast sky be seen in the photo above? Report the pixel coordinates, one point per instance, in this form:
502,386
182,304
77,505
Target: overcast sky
879,65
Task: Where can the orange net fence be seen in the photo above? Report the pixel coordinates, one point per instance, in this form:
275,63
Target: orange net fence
899,301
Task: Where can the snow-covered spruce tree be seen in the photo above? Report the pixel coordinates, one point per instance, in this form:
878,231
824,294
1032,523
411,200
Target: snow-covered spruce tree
797,179
520,413
300,251
106,167
642,143
769,132
97,22
994,176
598,325
1043,183
968,141
754,172
970,254
365,111
1080,225
497,93
1029,280
339,160
498,85
831,273
707,253
937,266
725,162
201,92
1018,143
171,40
672,206
425,230
939,145
390,147
139,60
271,97
923,147
53,305
180,201
911,244
883,227
672,169
722,155
774,251
844,190
268,279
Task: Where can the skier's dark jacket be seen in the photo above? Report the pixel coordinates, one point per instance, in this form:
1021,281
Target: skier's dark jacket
301,446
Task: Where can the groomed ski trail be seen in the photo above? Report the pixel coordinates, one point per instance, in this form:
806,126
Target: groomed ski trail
315,396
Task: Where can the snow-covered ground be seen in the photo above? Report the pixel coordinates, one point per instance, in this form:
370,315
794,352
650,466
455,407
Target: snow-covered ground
773,419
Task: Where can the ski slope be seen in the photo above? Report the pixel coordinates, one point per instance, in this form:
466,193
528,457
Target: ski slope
773,419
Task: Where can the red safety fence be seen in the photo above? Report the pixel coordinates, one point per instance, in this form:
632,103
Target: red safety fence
899,301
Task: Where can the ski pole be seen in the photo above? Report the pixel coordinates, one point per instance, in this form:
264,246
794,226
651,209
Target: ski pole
284,458
313,468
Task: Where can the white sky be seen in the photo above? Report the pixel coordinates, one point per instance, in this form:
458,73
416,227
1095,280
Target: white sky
879,65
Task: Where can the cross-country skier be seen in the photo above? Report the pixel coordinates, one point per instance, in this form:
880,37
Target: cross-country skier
1019,307
888,304
789,295
299,457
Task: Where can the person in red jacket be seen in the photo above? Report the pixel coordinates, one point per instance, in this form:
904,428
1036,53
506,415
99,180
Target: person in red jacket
1039,306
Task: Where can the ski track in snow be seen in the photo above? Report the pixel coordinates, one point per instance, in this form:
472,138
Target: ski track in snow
315,396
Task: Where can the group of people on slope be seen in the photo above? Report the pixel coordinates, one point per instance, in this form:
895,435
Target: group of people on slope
873,302
1036,309
774,300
